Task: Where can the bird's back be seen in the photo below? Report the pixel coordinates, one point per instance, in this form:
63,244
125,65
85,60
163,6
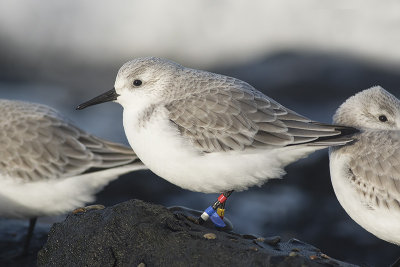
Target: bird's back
36,143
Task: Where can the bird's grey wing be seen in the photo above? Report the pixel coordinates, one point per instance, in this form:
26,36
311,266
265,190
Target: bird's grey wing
232,115
37,143
374,168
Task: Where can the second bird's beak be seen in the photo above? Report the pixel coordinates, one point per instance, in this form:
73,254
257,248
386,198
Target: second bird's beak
106,97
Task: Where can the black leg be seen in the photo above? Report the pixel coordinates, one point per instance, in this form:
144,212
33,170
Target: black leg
213,208
396,263
221,199
32,223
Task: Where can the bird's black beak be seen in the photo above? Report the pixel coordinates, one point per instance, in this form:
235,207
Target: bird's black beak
106,97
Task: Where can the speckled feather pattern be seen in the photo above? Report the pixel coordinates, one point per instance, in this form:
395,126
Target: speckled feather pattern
366,172
221,113
374,168
37,143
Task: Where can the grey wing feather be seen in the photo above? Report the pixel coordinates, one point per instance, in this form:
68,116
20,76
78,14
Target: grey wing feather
375,168
37,143
231,115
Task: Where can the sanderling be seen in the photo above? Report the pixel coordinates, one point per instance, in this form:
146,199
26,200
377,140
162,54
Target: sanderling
46,163
208,132
366,173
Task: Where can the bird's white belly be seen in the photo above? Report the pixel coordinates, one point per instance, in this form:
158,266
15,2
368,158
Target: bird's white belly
19,199
159,145
380,221
40,198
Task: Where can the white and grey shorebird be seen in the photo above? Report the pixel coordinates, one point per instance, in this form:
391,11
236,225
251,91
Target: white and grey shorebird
366,173
208,132
46,163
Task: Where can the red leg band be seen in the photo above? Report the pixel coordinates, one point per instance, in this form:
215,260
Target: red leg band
222,198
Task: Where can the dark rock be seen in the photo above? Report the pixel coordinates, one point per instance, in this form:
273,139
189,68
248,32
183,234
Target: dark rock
136,232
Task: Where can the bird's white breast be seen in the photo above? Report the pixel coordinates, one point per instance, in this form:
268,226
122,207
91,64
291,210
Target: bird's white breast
160,146
380,221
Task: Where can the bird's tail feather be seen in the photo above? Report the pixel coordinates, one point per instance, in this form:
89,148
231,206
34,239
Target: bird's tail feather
342,135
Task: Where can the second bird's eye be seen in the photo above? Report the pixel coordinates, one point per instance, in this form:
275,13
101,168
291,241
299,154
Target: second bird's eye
137,82
382,118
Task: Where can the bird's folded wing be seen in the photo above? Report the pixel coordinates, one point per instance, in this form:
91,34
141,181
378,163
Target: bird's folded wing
232,115
375,168
38,143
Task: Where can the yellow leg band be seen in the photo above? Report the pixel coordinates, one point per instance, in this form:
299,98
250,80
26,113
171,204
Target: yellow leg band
221,212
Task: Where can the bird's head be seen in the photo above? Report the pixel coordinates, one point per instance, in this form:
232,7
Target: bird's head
373,108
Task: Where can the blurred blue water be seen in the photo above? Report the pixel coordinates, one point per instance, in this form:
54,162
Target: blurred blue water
104,121
301,205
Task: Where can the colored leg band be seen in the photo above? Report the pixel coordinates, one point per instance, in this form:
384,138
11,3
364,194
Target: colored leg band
222,198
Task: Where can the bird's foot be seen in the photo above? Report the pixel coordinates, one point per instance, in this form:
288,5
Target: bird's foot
396,263
194,215
88,208
216,212
212,214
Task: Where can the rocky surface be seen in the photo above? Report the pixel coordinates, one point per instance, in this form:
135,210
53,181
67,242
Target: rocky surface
136,232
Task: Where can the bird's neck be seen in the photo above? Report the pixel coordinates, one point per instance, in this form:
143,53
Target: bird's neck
137,117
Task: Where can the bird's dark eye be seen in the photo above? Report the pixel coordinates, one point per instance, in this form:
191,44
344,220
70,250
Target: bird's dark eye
382,118
137,82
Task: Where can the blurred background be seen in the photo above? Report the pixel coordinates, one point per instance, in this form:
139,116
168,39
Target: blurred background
309,55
